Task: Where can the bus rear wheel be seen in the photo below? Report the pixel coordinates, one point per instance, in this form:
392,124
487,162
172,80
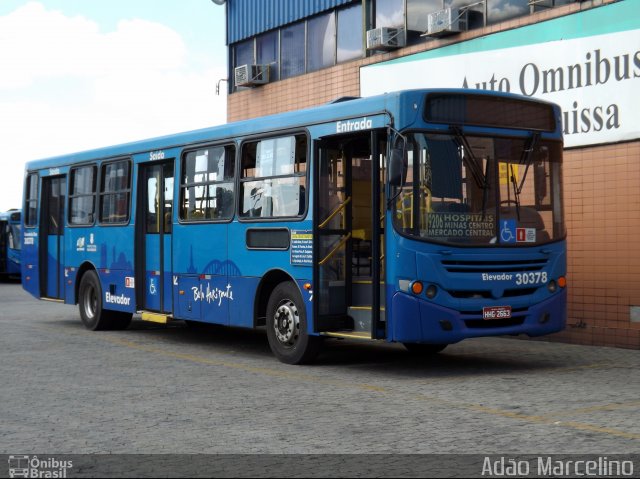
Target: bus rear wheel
287,326
93,315
420,349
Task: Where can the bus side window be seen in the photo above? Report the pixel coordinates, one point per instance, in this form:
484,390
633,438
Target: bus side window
168,204
82,198
206,184
152,206
274,177
115,192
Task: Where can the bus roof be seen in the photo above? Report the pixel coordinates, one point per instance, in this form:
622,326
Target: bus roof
341,108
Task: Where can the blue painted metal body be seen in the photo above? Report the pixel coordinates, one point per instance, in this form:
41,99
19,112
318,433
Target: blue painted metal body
12,240
415,318
213,277
247,18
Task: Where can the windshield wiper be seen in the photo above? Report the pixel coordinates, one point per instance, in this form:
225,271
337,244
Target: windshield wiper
527,156
481,178
525,159
470,162
516,190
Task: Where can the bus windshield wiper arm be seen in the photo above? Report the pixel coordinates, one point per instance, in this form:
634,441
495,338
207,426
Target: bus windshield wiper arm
481,178
470,161
527,156
485,189
516,190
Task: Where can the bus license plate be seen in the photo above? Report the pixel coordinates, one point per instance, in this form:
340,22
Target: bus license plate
496,312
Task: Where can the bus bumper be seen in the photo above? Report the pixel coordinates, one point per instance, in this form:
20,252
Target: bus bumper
419,321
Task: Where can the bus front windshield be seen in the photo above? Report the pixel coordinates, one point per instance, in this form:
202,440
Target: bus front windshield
15,236
480,190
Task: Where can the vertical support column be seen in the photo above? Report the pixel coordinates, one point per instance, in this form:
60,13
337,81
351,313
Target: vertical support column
375,237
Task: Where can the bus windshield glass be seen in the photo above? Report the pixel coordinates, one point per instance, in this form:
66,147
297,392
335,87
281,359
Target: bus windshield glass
14,240
480,190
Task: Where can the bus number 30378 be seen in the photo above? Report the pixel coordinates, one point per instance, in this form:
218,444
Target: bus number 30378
531,278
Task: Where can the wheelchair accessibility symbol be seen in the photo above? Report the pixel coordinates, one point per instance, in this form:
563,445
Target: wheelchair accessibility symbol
152,287
508,231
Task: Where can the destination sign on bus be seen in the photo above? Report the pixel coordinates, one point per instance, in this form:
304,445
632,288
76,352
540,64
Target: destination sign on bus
461,225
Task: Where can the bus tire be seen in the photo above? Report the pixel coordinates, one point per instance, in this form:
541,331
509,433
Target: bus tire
93,315
421,349
287,326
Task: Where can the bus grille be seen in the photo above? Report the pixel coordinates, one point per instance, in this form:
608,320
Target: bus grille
484,294
457,266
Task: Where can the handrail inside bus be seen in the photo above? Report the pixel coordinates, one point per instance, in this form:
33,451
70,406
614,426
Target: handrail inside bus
335,250
335,212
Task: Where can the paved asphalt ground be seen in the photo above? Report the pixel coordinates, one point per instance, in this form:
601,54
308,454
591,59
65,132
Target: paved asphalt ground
175,390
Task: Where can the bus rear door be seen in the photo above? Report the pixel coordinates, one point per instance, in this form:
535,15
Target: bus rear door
154,236
52,237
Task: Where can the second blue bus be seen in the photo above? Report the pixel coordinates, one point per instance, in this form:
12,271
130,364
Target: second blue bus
10,244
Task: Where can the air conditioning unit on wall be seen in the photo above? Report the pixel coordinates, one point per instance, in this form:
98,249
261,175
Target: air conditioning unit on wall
448,22
251,75
385,38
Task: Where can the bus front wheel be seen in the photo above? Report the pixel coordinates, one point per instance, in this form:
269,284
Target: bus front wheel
93,315
287,326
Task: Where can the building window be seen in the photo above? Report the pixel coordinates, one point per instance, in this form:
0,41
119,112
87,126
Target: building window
31,201
244,54
389,13
292,58
274,174
115,192
321,42
418,13
207,184
349,35
335,37
542,5
82,200
501,10
475,8
267,53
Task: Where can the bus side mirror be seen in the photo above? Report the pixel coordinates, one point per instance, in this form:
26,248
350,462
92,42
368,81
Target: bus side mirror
397,166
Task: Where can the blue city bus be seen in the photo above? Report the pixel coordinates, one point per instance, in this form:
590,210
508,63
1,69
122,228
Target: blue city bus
10,244
422,217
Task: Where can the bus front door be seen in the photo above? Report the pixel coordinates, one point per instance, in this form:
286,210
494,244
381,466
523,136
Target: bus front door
348,203
52,237
154,231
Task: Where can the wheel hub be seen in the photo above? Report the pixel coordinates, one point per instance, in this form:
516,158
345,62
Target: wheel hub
90,302
287,323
